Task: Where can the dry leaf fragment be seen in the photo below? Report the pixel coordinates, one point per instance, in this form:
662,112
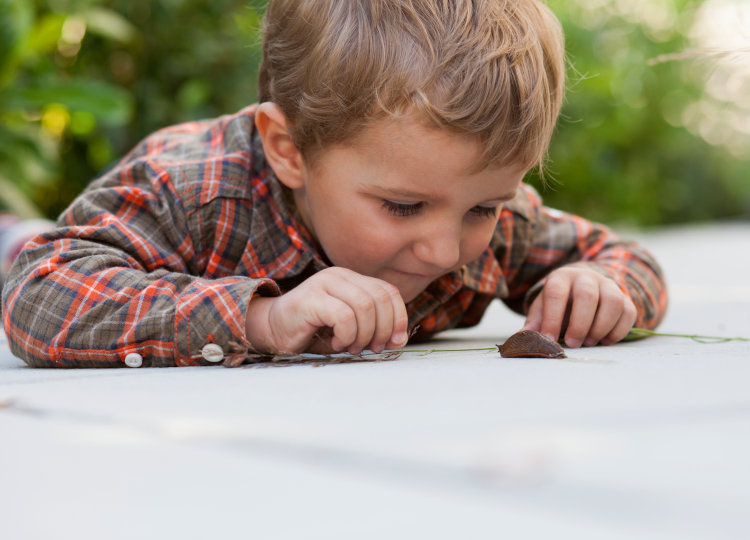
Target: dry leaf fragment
530,344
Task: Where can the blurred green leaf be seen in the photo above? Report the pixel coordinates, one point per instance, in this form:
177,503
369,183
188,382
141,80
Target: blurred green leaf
109,104
82,123
46,33
109,24
193,93
25,156
16,19
14,199
24,159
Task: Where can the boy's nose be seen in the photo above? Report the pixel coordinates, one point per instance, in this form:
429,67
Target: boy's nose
441,249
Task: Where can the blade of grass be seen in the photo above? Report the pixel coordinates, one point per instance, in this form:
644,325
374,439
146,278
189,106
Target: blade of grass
640,332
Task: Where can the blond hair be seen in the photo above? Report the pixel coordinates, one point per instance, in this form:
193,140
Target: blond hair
492,69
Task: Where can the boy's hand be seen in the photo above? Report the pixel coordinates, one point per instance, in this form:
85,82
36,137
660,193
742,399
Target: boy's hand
333,311
588,307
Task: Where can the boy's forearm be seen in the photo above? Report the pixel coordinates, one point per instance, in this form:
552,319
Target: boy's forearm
550,239
95,310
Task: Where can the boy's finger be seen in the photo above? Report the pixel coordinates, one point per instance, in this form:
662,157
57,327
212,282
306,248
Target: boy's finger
623,326
365,309
399,332
585,299
384,318
392,320
373,304
555,297
607,315
339,317
534,315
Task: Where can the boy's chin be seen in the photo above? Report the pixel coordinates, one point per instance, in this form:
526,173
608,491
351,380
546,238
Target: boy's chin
409,285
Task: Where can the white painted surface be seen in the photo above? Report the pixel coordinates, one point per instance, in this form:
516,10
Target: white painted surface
646,440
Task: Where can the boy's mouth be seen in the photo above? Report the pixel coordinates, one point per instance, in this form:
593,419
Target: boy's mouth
413,274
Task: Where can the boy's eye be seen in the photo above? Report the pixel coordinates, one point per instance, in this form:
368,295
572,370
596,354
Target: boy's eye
409,209
484,211
401,209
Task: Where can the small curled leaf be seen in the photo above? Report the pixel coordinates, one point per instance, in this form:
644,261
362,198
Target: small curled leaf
530,344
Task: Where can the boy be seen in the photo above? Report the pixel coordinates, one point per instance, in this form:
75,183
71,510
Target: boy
375,190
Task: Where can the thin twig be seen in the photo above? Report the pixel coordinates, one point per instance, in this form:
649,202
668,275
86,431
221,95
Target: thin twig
425,352
394,354
698,53
317,360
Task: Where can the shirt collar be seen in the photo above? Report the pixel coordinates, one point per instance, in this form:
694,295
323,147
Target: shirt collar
288,248
484,275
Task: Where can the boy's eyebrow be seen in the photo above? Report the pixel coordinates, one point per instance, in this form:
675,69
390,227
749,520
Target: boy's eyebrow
410,194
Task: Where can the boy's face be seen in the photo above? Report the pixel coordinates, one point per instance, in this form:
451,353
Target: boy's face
402,203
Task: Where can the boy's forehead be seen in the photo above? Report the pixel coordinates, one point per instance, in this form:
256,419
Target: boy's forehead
414,161
491,193
403,125
413,142
411,137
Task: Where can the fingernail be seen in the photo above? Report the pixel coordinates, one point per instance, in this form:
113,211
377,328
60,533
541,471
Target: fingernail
589,342
400,338
573,343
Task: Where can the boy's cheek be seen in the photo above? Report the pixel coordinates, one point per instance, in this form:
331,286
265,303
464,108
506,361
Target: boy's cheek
476,244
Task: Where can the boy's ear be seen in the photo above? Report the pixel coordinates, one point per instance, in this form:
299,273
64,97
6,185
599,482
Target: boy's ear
281,153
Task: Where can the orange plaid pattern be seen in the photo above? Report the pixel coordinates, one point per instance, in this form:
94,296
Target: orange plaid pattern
162,254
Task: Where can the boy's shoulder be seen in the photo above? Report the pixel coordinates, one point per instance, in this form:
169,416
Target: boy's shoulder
201,160
214,136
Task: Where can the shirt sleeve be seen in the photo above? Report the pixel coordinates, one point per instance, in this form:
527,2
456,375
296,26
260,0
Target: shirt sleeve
538,240
130,272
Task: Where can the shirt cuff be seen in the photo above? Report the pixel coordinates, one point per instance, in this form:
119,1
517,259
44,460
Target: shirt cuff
213,312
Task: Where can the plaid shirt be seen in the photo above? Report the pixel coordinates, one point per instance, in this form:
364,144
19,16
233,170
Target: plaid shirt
162,254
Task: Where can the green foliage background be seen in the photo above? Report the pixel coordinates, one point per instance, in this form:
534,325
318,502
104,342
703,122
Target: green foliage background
81,81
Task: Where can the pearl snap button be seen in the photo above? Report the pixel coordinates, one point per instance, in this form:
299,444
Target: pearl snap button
134,360
211,352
